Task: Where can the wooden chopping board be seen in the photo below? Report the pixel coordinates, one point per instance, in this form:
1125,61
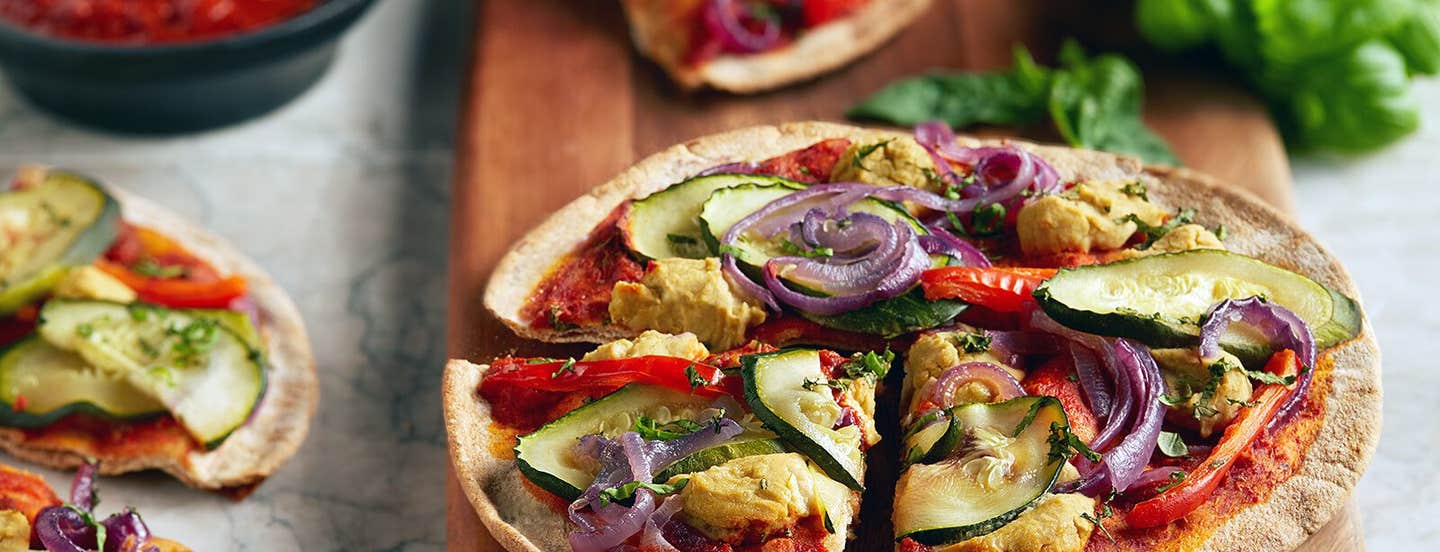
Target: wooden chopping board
559,103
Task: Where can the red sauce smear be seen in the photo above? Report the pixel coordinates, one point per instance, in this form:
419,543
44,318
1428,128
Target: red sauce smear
794,18
149,21
576,293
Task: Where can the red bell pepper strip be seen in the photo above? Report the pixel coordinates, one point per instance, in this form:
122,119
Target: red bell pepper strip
1053,379
178,292
818,12
1178,501
604,375
998,289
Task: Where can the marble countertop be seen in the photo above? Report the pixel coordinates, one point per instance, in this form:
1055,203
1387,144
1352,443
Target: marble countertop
344,197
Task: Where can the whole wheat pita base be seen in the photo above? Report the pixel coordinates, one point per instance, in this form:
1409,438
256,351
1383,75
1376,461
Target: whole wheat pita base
278,426
1296,508
817,51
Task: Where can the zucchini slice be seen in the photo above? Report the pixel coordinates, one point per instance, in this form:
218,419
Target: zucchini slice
40,384
666,223
547,456
746,444
930,443
65,220
989,476
204,373
1161,299
729,205
775,387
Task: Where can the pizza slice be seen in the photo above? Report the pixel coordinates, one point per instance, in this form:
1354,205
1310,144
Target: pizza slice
130,337
753,45
655,443
33,518
1191,370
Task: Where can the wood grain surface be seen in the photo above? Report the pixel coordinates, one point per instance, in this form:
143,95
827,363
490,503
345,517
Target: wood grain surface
559,103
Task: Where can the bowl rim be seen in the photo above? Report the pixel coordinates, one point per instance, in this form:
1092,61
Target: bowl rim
319,16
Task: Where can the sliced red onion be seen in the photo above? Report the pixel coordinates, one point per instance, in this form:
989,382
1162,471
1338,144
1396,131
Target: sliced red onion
615,533
931,134
1003,172
1125,462
125,527
1137,413
653,536
82,486
941,242
738,167
1087,370
1282,327
723,19
631,458
997,379
1010,346
888,270
63,529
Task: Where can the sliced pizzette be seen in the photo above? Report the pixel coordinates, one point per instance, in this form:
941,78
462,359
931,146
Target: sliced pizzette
134,338
748,46
655,442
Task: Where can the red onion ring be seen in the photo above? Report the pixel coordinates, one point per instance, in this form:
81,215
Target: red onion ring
941,242
722,18
63,529
652,538
1137,412
82,486
1278,324
992,376
888,269
1011,345
631,458
125,527
1087,370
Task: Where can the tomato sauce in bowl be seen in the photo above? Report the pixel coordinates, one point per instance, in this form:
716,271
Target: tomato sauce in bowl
149,21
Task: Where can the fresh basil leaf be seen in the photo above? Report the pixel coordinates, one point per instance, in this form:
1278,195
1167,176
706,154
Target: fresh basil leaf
1095,104
1295,31
1356,102
626,492
1418,38
1015,97
1176,25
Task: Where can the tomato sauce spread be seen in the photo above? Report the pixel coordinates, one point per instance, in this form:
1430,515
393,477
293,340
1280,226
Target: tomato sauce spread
787,18
1276,456
576,292
149,21
109,439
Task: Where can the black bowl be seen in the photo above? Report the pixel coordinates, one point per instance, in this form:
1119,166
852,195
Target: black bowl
177,87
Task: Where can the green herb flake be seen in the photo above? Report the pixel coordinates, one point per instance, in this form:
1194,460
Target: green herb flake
85,330
792,248
1064,444
626,492
1136,189
681,239
1176,478
864,152
1221,232
553,316
693,376
1153,233
1266,377
870,366
150,268
1172,445
651,430
972,342
568,367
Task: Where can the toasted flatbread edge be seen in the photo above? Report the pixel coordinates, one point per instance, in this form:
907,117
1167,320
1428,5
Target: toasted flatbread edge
818,51
277,427
1296,509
